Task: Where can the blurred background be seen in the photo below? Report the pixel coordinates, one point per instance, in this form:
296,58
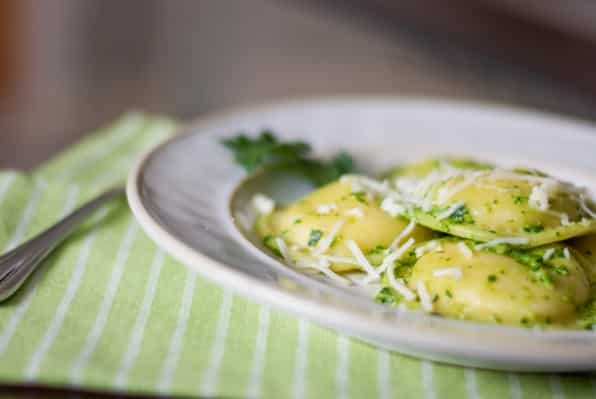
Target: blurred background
68,66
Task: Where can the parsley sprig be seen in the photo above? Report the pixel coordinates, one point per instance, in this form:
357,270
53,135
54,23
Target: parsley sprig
267,152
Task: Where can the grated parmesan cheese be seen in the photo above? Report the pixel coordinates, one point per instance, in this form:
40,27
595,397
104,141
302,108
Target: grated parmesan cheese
283,249
503,240
357,212
361,259
450,211
323,267
444,194
585,208
428,247
263,204
403,234
454,272
395,255
391,206
539,198
340,259
398,285
548,254
425,299
365,183
326,241
406,184
325,209
565,219
464,249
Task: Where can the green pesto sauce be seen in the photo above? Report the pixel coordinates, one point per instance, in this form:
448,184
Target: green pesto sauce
460,216
542,271
535,228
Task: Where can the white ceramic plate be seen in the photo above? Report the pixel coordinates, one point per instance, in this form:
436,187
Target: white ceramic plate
181,194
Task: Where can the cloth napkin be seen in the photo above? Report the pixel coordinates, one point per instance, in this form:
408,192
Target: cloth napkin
110,311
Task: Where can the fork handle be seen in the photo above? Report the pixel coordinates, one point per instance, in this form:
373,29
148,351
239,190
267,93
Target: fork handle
17,264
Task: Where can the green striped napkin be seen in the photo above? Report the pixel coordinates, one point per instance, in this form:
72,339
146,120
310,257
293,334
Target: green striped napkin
111,311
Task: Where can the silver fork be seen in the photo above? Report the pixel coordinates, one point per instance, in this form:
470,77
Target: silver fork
17,264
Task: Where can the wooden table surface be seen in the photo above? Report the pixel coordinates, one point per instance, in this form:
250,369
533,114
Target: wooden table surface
79,63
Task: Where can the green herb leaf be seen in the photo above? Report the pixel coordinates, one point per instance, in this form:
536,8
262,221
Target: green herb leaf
267,152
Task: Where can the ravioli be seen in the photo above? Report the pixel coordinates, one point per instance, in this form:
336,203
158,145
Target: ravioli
483,204
325,220
423,168
454,237
586,249
486,285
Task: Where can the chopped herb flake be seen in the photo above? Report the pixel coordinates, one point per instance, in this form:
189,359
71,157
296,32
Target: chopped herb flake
379,249
360,196
520,199
535,228
461,216
315,236
387,296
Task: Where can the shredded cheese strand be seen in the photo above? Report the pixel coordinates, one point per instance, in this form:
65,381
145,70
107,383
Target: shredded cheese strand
539,198
454,272
450,211
428,247
399,285
392,207
565,219
467,180
357,212
283,249
340,259
323,267
464,249
403,234
325,209
425,299
585,208
398,253
361,259
326,241
548,254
